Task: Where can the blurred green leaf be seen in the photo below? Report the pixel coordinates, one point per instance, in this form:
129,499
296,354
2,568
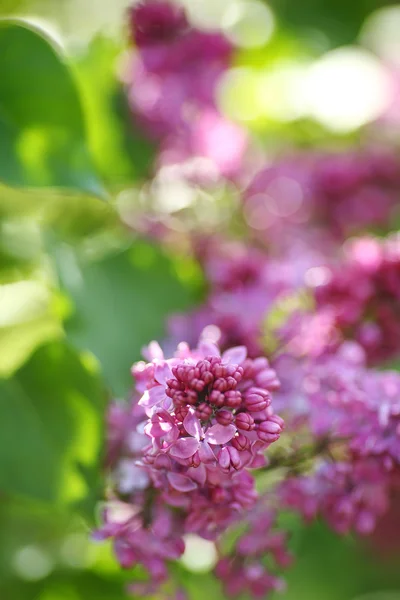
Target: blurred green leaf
339,21
120,152
121,304
42,129
50,426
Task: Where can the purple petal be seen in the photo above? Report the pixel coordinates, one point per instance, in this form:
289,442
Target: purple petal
153,396
184,447
224,458
181,482
192,424
220,434
206,454
152,352
235,355
198,474
208,348
162,372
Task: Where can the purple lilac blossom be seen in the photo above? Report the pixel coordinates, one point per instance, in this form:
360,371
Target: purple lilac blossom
182,451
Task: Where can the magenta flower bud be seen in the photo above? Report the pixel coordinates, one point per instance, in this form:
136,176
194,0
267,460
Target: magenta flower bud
207,377
240,442
269,431
277,419
181,412
224,417
244,421
233,399
221,385
255,402
204,411
267,378
217,398
235,457
228,458
197,384
191,397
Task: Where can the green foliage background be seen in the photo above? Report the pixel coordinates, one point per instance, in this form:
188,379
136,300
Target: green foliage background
80,295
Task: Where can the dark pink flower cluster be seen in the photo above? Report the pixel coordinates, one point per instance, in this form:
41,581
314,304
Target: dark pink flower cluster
353,416
337,194
172,79
362,293
181,456
245,283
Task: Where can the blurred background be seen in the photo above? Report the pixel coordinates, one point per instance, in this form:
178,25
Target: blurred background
81,293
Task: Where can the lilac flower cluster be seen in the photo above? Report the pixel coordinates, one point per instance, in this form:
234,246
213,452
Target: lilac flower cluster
172,78
335,194
244,569
181,453
362,293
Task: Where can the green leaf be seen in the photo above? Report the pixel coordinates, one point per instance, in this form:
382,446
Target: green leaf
42,129
120,150
121,304
50,426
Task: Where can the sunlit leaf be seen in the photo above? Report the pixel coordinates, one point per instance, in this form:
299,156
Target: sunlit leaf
42,129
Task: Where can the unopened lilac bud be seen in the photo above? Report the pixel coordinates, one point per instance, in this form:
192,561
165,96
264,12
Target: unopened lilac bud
277,419
181,412
244,421
269,431
240,442
255,402
233,399
217,398
204,411
229,457
268,379
224,417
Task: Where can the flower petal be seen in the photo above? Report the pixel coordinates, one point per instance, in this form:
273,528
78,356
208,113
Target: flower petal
192,424
235,355
220,434
206,454
181,483
198,474
208,348
153,396
184,447
162,372
152,351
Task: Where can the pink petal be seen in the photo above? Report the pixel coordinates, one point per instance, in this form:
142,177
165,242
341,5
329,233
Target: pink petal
198,474
162,372
206,454
181,482
235,355
192,424
208,348
184,447
152,352
153,396
224,458
220,434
